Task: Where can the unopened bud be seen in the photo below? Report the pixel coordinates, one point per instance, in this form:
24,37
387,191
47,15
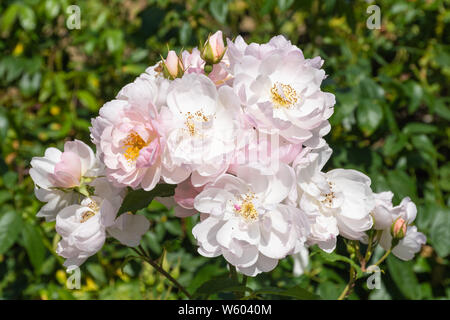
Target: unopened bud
173,67
398,228
214,48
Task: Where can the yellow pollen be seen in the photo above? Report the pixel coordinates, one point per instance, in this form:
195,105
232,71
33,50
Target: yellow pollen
89,213
191,117
329,196
133,144
283,95
86,216
247,208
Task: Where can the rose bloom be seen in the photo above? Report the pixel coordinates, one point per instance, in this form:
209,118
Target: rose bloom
62,170
402,216
85,226
201,129
337,202
280,90
128,135
243,219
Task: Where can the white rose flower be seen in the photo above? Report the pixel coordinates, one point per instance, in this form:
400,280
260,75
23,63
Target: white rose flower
244,220
399,219
337,202
85,226
58,172
200,129
280,90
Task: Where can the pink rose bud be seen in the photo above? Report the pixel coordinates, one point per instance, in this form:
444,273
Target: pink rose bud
398,229
214,48
173,65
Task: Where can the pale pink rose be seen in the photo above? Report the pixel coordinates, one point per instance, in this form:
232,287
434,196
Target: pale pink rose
280,90
339,201
244,220
128,136
201,127
397,220
62,170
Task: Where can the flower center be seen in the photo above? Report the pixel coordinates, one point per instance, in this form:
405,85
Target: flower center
247,209
133,144
329,197
89,213
191,118
283,96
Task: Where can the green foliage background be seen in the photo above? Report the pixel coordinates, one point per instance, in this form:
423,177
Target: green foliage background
391,121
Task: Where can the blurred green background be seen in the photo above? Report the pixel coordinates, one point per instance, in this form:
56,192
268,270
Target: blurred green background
391,121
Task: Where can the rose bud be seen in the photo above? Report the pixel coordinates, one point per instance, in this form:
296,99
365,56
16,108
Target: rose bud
398,228
173,67
214,48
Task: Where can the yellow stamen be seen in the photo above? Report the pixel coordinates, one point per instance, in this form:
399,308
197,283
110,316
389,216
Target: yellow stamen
283,96
247,209
90,213
133,144
197,116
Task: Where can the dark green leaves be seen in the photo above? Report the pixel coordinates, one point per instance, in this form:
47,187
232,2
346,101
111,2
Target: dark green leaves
218,285
404,277
369,114
10,227
440,231
139,199
296,292
32,241
219,10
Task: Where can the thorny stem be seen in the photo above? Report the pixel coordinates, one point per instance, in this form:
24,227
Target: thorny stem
141,252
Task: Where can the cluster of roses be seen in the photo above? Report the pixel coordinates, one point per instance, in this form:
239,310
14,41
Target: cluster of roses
239,130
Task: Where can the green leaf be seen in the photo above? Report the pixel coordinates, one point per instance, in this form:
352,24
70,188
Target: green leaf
369,115
88,100
139,199
10,179
8,18
52,8
5,195
333,257
185,33
424,145
417,127
442,110
27,18
60,86
284,4
217,285
402,185
10,226
403,275
415,93
114,40
219,10
46,87
4,123
440,231
394,144
294,292
32,240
